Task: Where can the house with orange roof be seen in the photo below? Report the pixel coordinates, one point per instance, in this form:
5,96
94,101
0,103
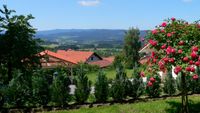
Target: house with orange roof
72,57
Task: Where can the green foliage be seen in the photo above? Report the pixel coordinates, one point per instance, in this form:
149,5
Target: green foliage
60,88
18,92
87,68
101,87
195,84
118,91
2,94
137,85
169,84
83,86
3,74
131,48
176,43
154,90
188,84
118,60
18,49
40,88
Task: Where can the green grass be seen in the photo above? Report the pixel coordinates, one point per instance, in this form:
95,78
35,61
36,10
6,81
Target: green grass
169,105
110,73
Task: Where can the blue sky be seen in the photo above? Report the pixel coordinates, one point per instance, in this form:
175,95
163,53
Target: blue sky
103,14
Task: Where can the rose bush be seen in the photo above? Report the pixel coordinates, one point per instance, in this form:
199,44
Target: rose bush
176,44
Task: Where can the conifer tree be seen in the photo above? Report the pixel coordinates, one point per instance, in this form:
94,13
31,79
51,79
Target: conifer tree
137,85
60,88
83,86
169,84
131,48
118,91
101,87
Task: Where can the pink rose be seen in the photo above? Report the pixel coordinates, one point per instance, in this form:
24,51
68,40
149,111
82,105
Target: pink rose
164,24
169,34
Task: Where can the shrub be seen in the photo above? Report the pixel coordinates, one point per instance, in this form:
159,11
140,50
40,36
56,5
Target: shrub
137,85
128,87
188,84
153,86
18,92
176,43
118,91
40,88
83,85
87,68
169,84
195,83
101,87
60,88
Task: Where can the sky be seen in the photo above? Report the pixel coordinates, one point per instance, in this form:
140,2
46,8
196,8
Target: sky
103,14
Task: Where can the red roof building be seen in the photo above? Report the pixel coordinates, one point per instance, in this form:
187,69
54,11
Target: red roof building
71,57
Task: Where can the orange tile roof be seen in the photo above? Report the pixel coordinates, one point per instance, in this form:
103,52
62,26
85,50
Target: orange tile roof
101,63
53,54
79,56
110,59
76,56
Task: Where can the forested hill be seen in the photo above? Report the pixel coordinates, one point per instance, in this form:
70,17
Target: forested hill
84,35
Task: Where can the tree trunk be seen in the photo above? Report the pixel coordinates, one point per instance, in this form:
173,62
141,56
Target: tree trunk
184,107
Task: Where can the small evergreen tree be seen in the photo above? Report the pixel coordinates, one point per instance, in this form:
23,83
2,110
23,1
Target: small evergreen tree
137,84
18,91
83,86
128,87
40,88
118,85
60,88
101,87
188,84
169,84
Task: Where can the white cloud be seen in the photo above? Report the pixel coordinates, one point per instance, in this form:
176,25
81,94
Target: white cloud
89,2
187,1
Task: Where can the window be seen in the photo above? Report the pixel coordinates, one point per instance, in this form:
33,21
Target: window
92,58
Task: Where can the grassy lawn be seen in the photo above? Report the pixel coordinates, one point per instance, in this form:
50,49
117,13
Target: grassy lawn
169,105
110,73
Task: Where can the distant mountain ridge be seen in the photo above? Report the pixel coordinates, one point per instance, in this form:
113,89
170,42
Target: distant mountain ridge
84,35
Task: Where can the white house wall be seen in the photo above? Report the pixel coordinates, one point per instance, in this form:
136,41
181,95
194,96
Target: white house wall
173,74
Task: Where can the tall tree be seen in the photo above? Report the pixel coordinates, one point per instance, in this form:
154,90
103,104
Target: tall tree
18,49
131,48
